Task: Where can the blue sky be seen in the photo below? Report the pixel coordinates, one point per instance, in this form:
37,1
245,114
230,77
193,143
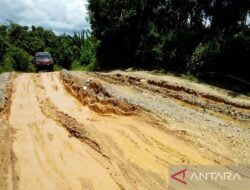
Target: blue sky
62,16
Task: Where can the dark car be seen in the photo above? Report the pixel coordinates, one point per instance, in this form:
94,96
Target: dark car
44,61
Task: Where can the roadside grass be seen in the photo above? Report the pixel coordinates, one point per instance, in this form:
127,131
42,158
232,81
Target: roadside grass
57,67
190,77
76,66
90,67
187,76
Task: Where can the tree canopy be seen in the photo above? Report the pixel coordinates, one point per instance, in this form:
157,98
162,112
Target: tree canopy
196,36
18,45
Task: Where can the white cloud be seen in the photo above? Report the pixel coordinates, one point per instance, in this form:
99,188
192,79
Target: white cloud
59,15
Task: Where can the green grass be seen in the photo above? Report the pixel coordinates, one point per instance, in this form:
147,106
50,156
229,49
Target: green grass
76,66
57,67
189,77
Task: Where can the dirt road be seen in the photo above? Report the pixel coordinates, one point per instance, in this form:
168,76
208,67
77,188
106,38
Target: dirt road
88,131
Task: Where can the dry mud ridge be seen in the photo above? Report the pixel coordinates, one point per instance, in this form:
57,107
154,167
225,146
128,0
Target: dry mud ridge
118,130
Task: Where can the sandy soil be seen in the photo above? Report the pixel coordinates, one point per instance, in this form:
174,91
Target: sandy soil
65,133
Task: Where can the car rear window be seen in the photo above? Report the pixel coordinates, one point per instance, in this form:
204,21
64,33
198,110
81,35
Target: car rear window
43,56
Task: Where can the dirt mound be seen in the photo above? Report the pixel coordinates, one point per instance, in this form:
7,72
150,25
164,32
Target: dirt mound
91,93
187,95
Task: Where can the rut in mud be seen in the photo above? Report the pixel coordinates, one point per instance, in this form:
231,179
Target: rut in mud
205,100
71,131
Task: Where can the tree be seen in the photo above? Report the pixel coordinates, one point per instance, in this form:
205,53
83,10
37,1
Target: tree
3,41
62,51
176,35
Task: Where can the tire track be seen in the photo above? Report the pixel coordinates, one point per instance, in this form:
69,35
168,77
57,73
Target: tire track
123,138
42,163
60,142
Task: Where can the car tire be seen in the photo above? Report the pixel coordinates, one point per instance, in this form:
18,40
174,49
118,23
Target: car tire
52,68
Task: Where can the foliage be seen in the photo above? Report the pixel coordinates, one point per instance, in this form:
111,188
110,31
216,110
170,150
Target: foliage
6,64
19,43
57,67
181,36
204,56
88,56
3,41
178,36
76,66
62,52
91,66
17,59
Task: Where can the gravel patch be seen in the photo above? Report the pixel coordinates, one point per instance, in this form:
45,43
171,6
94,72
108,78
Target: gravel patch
4,82
215,135
203,127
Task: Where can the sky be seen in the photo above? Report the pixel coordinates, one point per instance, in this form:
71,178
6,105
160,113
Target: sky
61,16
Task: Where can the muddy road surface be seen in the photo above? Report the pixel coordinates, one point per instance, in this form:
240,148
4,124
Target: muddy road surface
77,130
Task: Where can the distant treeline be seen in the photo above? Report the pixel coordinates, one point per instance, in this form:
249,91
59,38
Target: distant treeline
183,36
18,45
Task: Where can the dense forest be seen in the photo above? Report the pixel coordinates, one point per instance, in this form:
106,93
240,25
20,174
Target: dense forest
196,37
18,45
181,36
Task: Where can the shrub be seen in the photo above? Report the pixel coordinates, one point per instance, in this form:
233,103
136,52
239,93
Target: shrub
204,57
62,52
76,66
91,66
223,55
6,64
19,60
88,52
